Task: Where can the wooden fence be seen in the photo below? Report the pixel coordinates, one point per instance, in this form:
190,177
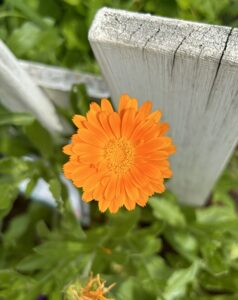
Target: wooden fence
189,70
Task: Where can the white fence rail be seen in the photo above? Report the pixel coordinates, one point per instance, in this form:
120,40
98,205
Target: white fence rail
57,82
19,93
190,71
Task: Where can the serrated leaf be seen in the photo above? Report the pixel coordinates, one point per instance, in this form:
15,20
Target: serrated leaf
177,283
183,242
214,258
168,211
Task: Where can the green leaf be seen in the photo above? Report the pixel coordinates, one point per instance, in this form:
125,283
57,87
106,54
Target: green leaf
8,194
31,185
18,119
122,223
40,138
14,285
178,282
217,219
55,188
23,38
131,290
168,211
29,13
79,99
215,215
223,283
13,143
215,260
16,168
183,242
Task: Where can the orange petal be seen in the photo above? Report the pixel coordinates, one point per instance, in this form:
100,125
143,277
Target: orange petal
170,149
95,107
82,147
139,178
159,187
134,104
142,200
163,128
110,191
103,118
158,155
68,168
91,182
155,116
140,129
98,192
78,120
87,196
119,191
148,132
106,105
157,143
146,107
68,149
123,102
75,138
91,138
166,172
150,170
103,204
83,172
127,125
132,195
115,123
114,206
94,124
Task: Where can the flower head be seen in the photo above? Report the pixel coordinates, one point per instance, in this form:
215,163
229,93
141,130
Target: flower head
119,158
94,290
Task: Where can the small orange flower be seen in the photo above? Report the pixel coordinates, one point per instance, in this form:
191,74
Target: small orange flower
119,158
94,290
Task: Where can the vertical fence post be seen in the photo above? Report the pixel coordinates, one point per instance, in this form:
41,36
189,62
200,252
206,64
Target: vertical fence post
190,71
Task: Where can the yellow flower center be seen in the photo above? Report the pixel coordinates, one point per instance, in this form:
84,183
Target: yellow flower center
119,154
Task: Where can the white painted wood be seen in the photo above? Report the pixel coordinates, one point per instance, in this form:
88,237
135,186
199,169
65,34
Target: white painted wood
57,82
190,71
19,93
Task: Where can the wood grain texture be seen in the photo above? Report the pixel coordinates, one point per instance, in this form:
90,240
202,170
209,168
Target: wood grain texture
19,93
57,82
190,71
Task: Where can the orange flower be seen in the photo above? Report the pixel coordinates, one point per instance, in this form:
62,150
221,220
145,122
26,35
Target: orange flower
94,290
119,158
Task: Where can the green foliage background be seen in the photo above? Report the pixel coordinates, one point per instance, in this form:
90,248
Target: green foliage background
165,251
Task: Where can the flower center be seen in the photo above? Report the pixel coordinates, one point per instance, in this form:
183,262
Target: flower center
119,154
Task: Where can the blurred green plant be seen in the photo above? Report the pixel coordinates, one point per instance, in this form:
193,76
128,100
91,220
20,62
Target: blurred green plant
164,251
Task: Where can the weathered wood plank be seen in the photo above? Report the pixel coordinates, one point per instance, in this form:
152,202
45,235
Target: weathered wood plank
57,82
19,93
190,71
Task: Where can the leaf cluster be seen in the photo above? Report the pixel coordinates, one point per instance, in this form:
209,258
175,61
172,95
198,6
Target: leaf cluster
165,251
